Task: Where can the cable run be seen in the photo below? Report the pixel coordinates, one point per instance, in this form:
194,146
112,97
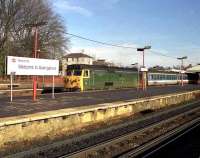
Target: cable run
158,53
119,46
99,42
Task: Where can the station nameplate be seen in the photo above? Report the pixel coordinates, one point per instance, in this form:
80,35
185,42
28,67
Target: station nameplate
32,66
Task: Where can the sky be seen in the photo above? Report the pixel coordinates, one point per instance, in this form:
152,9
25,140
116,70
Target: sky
171,27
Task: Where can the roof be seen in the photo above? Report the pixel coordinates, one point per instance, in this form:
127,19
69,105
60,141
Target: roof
106,67
194,69
76,55
100,67
162,72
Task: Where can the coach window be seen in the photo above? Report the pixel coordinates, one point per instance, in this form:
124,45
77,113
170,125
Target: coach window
150,77
156,77
153,77
185,77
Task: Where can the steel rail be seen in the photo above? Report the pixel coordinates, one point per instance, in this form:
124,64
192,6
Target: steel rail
109,142
174,139
188,127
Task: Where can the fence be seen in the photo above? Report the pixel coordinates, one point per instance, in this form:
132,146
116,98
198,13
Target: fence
20,79
42,81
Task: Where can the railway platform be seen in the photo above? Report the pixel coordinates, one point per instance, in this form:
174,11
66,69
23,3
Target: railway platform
24,105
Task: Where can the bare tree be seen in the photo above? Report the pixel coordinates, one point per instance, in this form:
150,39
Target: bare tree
17,39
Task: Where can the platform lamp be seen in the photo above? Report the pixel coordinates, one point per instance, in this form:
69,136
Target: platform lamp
181,67
142,50
143,65
35,27
138,74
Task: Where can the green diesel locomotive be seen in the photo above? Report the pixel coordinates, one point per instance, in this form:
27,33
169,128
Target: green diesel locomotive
95,77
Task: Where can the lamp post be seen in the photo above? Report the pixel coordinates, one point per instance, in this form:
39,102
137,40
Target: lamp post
142,50
143,65
181,68
138,75
35,27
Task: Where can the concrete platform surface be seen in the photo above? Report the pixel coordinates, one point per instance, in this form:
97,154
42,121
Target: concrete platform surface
24,105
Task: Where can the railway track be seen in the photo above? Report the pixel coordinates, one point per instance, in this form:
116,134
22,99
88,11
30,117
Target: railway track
120,146
119,139
161,143
151,147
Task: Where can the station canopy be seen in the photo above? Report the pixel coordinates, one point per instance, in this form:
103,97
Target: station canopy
194,69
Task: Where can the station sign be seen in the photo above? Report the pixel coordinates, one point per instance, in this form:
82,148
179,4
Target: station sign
143,69
32,66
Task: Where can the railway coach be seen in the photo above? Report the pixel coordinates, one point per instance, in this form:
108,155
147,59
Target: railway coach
166,78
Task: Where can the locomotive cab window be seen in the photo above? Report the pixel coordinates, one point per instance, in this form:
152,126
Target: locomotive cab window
77,72
69,73
86,73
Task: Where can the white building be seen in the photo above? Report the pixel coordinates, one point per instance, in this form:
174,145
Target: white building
75,58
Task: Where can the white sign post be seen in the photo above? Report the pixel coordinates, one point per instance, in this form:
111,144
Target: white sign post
53,93
32,66
11,86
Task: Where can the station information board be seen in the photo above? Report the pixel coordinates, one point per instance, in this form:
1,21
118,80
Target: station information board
32,66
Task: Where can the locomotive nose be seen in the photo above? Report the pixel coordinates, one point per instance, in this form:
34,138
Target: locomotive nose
66,80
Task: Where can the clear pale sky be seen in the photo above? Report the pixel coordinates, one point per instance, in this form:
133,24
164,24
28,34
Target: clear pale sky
169,26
